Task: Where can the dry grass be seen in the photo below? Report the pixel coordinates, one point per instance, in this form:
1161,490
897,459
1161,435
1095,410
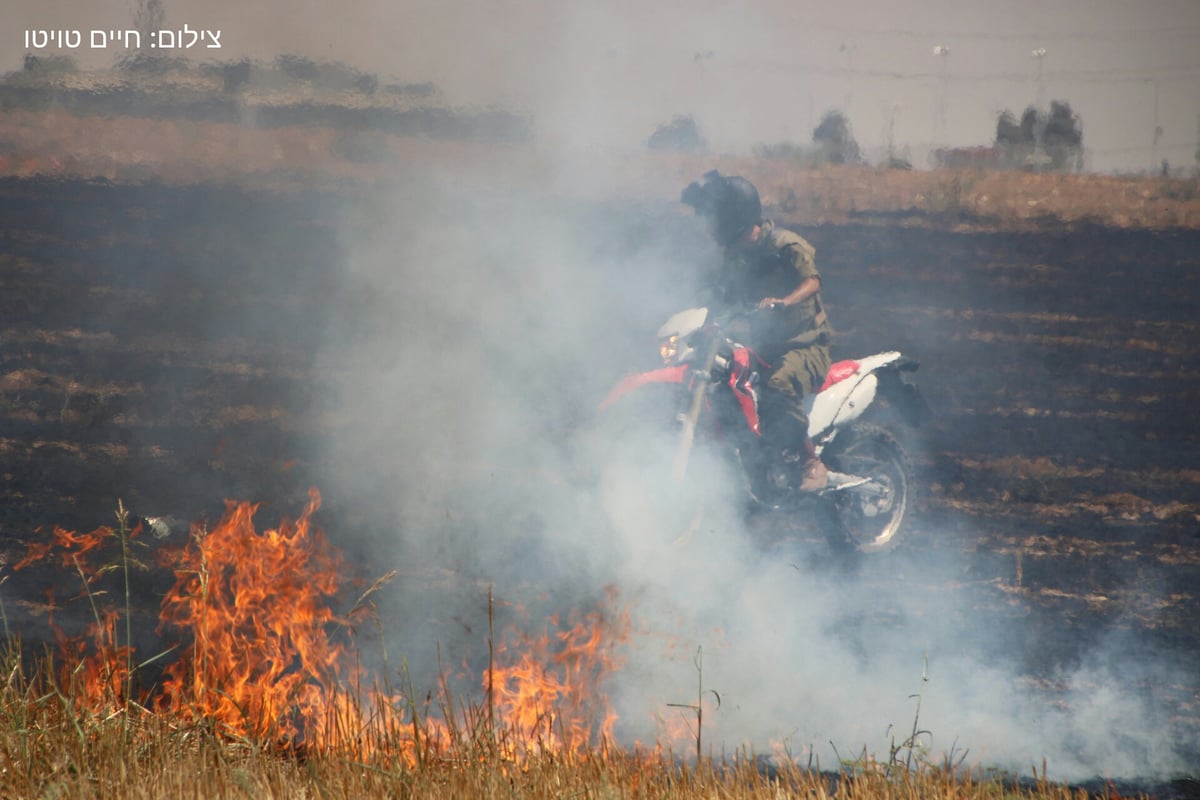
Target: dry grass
52,745
73,723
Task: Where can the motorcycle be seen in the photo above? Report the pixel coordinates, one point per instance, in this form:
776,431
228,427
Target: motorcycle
715,381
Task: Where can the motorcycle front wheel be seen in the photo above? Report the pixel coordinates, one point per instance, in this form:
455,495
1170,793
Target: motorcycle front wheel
870,518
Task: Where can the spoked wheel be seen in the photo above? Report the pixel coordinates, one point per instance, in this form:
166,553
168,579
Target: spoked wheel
871,517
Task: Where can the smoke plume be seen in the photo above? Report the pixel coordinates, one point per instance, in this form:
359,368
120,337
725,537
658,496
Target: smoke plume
482,325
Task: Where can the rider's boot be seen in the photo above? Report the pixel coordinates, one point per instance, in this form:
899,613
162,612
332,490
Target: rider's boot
815,475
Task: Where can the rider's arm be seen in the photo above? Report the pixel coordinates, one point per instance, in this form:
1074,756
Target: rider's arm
807,288
799,255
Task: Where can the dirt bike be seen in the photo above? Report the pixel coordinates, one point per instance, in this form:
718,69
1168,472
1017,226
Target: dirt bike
712,384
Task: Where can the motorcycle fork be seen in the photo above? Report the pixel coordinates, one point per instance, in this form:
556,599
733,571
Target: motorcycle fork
687,437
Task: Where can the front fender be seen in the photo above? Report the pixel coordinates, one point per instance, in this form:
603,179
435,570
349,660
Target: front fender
631,383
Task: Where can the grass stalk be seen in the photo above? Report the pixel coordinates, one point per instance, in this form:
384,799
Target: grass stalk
8,637
916,732
123,534
491,672
698,706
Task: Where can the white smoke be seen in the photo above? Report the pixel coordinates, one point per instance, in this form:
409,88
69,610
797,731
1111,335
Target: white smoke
482,321
485,325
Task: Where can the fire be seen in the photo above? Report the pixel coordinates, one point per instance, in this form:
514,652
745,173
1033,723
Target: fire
552,695
262,655
72,546
262,661
99,680
94,665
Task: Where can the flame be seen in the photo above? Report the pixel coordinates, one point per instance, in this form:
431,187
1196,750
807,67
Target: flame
552,697
263,661
73,546
263,656
95,667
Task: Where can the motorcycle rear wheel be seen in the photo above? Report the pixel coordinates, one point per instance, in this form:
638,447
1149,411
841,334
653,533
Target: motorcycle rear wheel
872,518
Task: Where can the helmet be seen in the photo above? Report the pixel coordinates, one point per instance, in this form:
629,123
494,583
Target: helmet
729,202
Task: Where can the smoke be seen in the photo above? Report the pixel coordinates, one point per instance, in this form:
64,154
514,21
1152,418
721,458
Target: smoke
481,325
480,322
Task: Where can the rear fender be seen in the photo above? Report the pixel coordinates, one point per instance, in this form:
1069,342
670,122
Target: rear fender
847,394
841,403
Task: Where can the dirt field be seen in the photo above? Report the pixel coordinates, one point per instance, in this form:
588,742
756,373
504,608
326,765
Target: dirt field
147,353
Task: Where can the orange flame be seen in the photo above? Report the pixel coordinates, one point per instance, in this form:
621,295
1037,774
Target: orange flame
72,546
552,696
266,658
97,680
95,667
263,661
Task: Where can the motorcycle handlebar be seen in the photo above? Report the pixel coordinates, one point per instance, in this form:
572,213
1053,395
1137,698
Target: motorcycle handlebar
745,312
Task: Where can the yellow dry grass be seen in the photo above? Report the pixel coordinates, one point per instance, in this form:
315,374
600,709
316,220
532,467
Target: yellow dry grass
51,746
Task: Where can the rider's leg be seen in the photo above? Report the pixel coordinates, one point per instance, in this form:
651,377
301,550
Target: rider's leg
800,372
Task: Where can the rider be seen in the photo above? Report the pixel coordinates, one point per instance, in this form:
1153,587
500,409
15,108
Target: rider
773,269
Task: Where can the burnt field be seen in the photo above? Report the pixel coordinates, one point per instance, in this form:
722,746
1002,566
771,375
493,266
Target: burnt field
175,346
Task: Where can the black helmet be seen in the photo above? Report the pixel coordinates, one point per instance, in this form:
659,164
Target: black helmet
729,202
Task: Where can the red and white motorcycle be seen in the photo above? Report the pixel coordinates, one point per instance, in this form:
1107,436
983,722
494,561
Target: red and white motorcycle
709,382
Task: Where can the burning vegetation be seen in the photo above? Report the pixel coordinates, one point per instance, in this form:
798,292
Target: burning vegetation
138,704
261,687
254,651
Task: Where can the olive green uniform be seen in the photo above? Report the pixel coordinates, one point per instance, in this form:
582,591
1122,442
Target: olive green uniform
793,340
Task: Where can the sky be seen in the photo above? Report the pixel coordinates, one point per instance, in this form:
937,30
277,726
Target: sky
607,74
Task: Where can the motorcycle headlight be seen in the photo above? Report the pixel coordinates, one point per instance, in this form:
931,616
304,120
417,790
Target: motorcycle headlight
668,348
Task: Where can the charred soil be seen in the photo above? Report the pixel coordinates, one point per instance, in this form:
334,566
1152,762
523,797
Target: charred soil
159,343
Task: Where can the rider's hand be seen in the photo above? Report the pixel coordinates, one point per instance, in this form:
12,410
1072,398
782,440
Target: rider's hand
769,303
